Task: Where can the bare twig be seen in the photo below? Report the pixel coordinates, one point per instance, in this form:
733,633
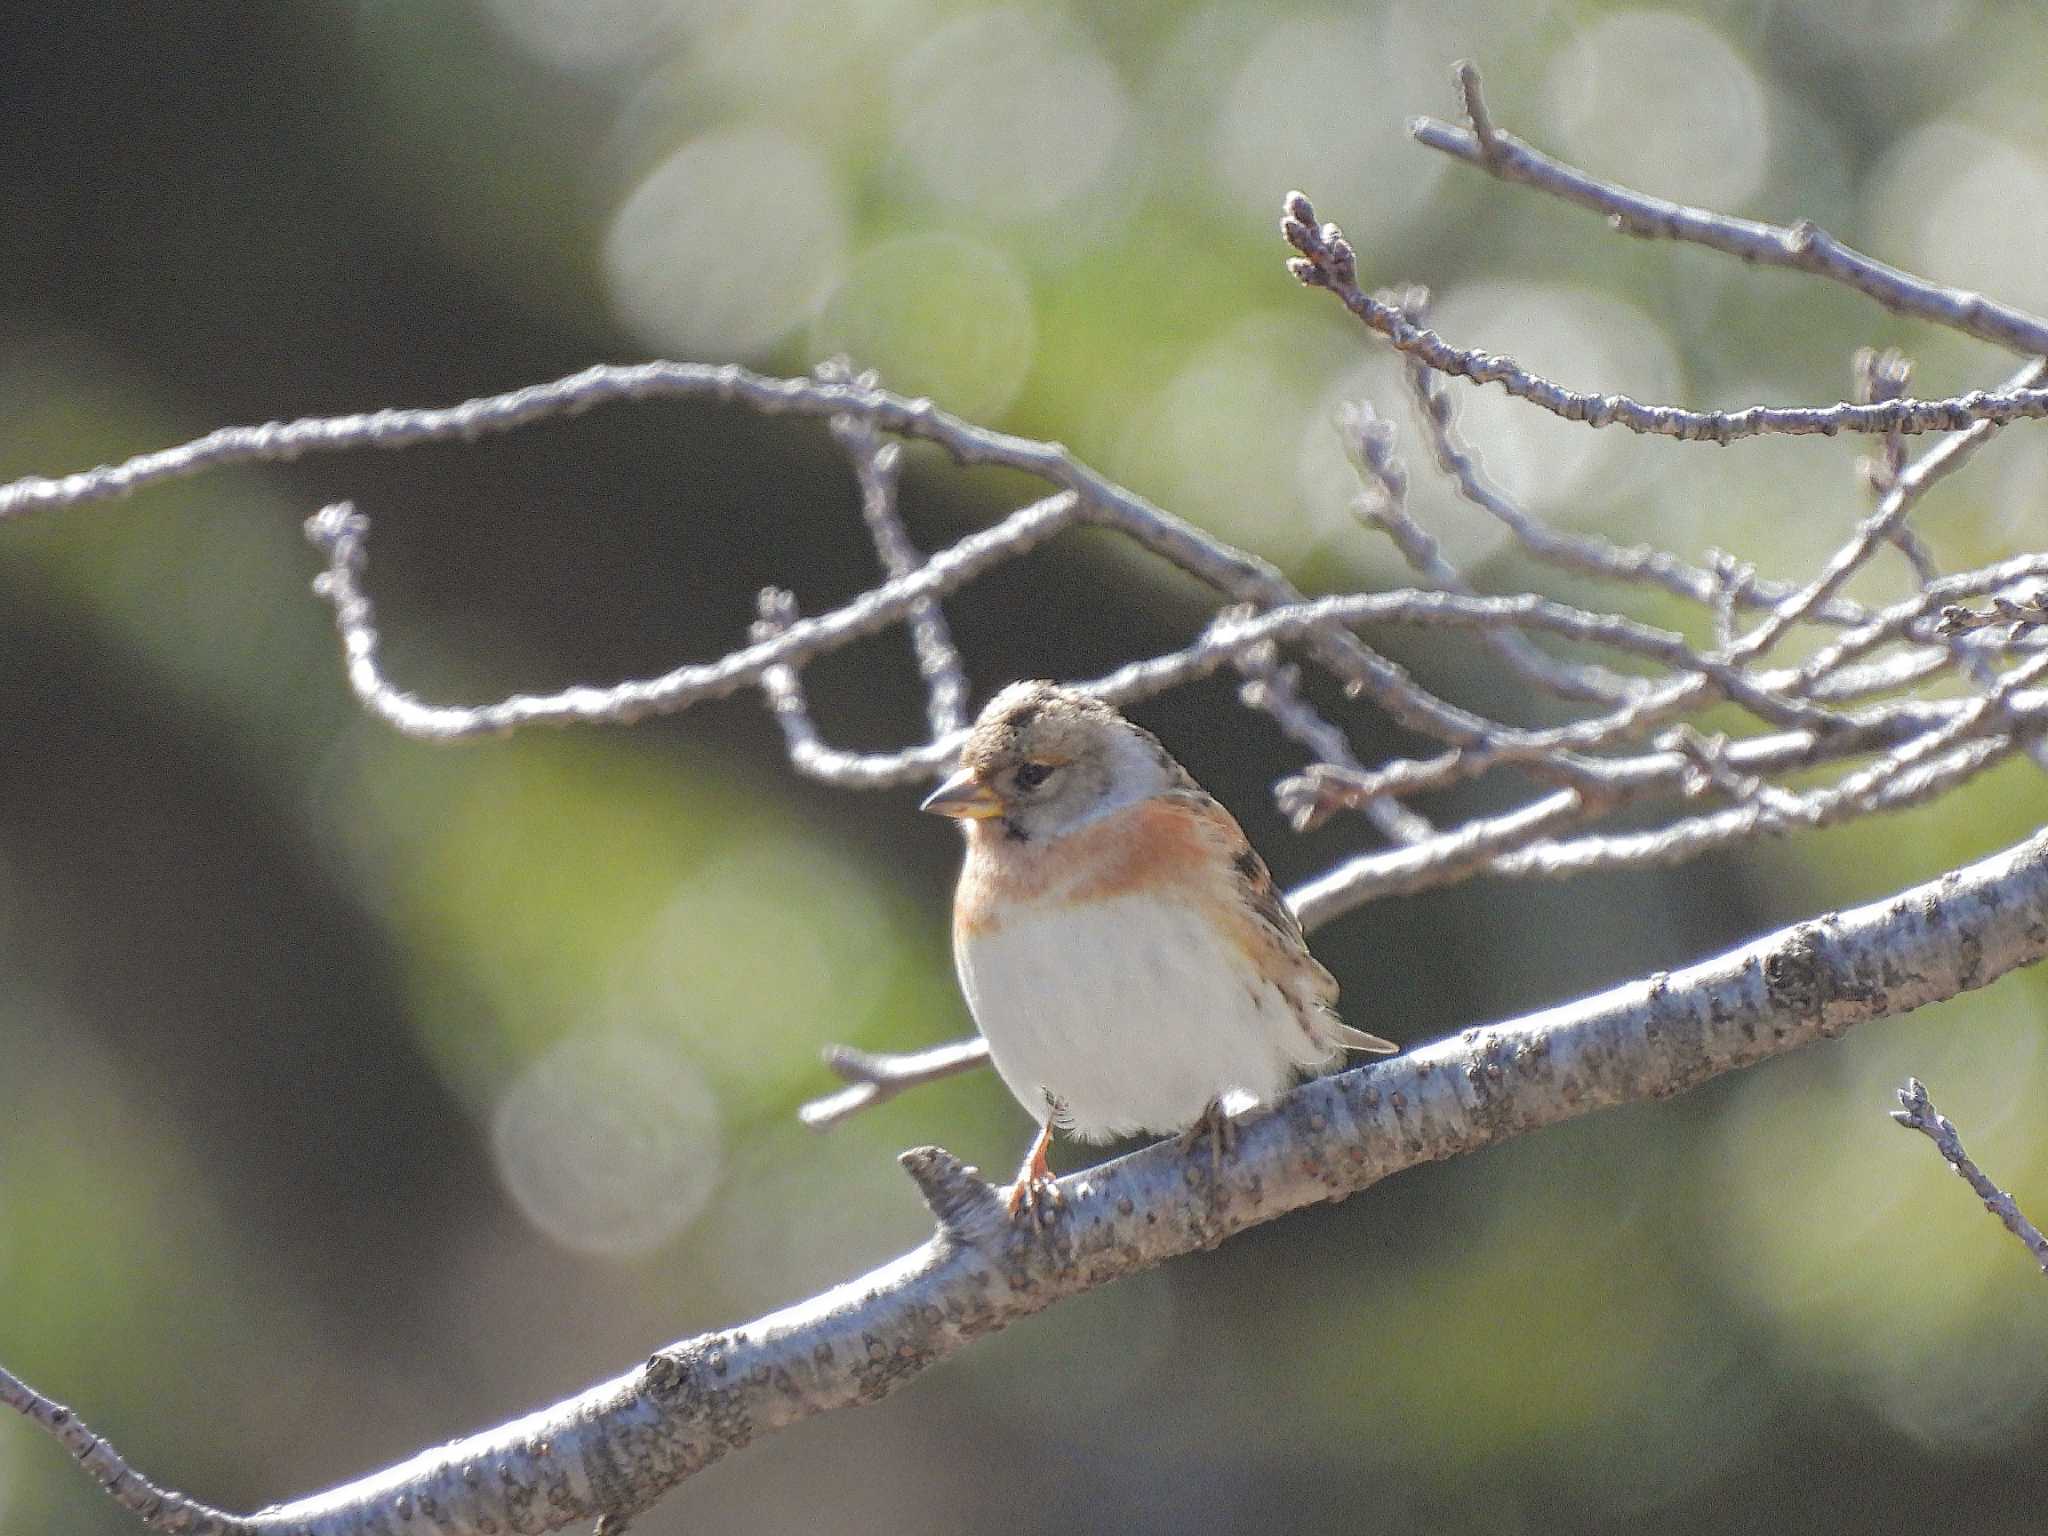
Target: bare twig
2022,614
1917,1113
1383,505
1465,74
1520,844
1085,496
1711,767
1583,553
1800,247
875,1079
783,688
1829,675
1685,840
339,532
1273,688
1327,261
160,1509
1884,375
1702,674
1897,503
282,442
876,466
1735,582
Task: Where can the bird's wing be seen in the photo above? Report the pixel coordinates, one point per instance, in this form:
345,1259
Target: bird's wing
1280,930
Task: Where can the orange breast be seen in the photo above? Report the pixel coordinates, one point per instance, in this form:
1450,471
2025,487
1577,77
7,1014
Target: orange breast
1155,842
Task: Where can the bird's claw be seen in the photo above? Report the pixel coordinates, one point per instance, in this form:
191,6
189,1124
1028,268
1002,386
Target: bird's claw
1035,1199
1222,1133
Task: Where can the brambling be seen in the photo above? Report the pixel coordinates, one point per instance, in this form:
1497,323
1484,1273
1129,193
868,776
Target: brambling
1122,946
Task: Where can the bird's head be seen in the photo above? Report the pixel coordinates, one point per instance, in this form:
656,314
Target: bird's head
1043,760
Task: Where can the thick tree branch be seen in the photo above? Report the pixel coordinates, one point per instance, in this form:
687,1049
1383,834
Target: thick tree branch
613,1450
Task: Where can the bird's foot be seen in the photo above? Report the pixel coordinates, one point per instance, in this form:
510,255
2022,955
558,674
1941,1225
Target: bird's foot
1035,1200
1036,1197
1216,1124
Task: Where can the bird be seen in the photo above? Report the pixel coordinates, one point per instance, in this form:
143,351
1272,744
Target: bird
1120,943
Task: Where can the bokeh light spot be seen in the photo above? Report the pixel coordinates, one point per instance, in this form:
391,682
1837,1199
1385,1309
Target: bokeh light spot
1009,113
1575,337
1318,95
609,1142
1878,1265
1966,205
583,35
1219,441
937,315
725,247
1660,101
764,951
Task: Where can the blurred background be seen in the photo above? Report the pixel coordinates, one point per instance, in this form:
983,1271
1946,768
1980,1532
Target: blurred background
355,1094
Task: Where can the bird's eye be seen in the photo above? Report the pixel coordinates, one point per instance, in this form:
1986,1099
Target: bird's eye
1031,775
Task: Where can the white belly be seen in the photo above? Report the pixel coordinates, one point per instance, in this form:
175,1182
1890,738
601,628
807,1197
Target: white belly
1130,1012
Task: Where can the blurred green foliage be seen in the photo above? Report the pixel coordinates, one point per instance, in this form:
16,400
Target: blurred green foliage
354,1093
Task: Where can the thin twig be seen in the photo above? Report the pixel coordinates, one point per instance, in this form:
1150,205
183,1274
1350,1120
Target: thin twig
1917,1113
1520,844
877,467
1627,780
1465,74
339,532
1701,674
790,707
1884,375
1272,687
1893,508
875,1079
1585,554
1800,247
1735,581
1383,505
1085,496
1327,261
2022,614
1683,841
1920,618
159,1509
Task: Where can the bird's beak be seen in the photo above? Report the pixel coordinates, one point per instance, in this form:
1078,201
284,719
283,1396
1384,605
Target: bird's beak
963,797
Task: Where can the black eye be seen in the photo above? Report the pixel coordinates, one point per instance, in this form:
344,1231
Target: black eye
1031,775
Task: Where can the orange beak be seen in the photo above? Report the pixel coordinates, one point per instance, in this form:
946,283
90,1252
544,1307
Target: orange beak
963,797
